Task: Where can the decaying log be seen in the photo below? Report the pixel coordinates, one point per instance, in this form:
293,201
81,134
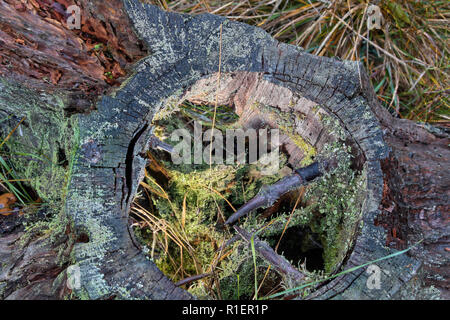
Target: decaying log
32,266
405,163
37,48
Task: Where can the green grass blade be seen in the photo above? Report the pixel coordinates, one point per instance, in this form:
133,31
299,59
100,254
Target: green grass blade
340,273
252,242
238,293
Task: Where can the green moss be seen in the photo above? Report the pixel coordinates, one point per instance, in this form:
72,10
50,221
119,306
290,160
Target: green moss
42,152
201,185
332,204
203,208
41,148
309,151
331,208
241,263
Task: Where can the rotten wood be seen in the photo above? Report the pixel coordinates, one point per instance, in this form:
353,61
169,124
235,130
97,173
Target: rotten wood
407,181
38,48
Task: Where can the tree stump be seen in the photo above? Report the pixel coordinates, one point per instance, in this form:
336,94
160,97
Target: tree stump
406,178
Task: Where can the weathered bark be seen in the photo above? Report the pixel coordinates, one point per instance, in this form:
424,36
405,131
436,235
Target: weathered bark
416,190
108,145
31,269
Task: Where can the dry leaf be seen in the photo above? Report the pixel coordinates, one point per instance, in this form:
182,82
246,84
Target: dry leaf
6,201
55,75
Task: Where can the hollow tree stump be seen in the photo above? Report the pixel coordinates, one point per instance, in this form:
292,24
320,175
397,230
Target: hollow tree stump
108,143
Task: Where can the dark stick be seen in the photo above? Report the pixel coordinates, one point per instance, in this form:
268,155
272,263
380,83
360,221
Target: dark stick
156,143
269,194
277,261
192,279
229,243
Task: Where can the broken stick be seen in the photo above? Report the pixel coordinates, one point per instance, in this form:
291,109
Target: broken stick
155,143
278,262
192,279
268,195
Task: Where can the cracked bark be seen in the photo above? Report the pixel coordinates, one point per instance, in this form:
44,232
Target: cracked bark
104,180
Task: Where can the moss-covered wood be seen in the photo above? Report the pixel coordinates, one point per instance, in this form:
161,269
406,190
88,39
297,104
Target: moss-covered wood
106,151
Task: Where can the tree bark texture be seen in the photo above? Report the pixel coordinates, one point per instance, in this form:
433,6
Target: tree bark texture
102,125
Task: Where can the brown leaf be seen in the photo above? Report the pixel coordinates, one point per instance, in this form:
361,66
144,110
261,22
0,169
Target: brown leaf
55,75
117,71
6,201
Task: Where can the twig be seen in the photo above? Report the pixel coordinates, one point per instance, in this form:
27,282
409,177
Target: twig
277,261
192,279
155,143
268,195
229,243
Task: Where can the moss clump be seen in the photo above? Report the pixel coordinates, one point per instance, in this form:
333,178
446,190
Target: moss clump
309,151
338,199
237,280
41,150
330,209
42,145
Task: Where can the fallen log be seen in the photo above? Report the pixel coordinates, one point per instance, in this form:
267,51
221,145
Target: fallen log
102,132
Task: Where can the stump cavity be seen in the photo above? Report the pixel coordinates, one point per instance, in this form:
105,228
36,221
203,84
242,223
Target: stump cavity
180,208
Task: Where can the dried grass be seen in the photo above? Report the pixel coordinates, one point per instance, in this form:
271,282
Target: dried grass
407,59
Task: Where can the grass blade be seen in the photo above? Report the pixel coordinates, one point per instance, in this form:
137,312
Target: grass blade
340,273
